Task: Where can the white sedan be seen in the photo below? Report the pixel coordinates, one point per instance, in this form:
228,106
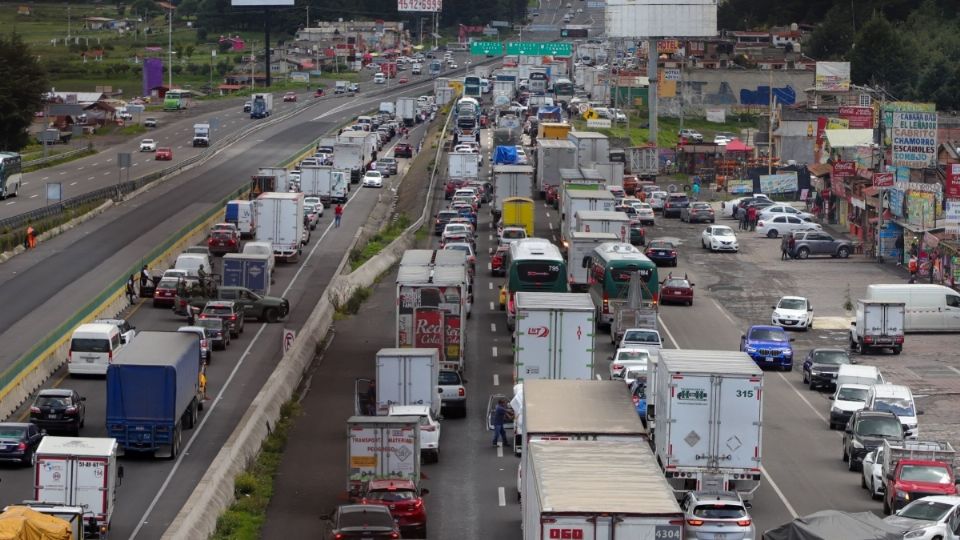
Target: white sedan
645,213
429,428
773,225
793,312
373,179
626,358
148,145
872,479
719,238
929,518
656,199
785,209
315,203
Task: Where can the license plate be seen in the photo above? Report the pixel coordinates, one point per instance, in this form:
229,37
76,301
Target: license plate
51,416
90,360
677,292
720,536
661,253
769,359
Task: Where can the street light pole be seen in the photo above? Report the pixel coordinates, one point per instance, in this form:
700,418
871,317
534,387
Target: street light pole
170,51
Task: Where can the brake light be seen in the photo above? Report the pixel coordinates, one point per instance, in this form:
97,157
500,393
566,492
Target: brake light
606,303
428,428
868,339
69,356
617,367
461,392
110,357
233,317
34,409
898,339
22,446
743,522
673,253
394,535
203,344
695,522
71,410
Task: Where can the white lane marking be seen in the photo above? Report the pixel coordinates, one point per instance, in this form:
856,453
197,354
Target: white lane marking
953,369
500,454
95,164
106,174
490,283
35,195
803,398
79,168
196,432
550,225
489,267
548,215
776,488
63,173
724,312
73,183
494,351
490,237
501,494
135,164
496,379
11,202
493,327
492,307
44,178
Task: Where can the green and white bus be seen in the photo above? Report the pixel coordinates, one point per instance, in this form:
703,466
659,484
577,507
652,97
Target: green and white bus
533,264
11,175
610,266
175,100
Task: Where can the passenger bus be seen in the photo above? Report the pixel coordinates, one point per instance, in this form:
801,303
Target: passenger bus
435,68
533,264
175,100
563,91
609,268
10,174
472,87
538,82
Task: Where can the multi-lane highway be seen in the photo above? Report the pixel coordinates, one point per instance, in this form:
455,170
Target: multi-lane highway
153,491
473,487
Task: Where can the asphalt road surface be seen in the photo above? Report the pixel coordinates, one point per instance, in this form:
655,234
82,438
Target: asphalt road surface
473,487
153,491
43,287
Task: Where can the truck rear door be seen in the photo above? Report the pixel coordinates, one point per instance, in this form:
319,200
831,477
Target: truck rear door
736,412
534,349
873,319
688,440
893,320
574,345
90,481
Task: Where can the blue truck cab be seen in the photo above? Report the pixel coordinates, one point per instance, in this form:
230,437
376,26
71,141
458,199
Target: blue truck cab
153,393
768,346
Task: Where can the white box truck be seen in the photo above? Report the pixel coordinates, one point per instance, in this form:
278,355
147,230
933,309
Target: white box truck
510,181
201,134
382,448
463,165
279,218
553,336
433,302
592,147
878,325
597,490
330,184
578,197
553,155
612,171
281,174
79,471
407,377
617,223
581,246
240,213
349,156
407,110
709,418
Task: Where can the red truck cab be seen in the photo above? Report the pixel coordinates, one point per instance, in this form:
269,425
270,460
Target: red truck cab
912,479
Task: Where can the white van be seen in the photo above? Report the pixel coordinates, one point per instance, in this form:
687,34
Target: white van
191,262
897,399
859,374
929,308
379,78
92,348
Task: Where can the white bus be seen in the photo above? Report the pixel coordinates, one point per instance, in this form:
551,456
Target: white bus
11,176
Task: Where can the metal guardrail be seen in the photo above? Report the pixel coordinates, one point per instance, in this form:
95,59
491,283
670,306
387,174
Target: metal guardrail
57,157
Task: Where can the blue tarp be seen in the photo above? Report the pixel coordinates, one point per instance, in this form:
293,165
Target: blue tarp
505,155
552,113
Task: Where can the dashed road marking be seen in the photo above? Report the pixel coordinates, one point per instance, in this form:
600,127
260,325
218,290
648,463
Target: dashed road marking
550,225
501,494
73,183
489,267
91,178
490,285
35,195
11,202
44,178
548,215
493,327
79,168
63,173
106,174
500,452
492,308
494,348
496,379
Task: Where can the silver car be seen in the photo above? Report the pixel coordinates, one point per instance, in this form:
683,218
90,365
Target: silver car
714,515
812,243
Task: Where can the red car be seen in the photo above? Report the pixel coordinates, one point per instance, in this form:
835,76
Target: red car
403,150
164,154
451,187
676,291
223,241
553,198
498,261
290,96
318,93
405,502
403,80
166,292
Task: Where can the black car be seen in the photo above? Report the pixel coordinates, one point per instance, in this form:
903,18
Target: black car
443,217
368,521
19,441
674,204
820,367
217,330
662,252
229,312
865,432
58,409
638,236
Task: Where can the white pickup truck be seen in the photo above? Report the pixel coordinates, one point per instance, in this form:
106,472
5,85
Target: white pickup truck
453,395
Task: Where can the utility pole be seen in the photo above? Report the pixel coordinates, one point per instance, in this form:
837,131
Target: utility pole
68,21
308,19
770,129
170,51
652,59
266,40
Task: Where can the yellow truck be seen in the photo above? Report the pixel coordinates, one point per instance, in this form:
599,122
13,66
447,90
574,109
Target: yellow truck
518,212
25,523
553,130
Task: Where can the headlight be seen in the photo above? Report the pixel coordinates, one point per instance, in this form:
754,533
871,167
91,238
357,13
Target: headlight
751,349
835,410
916,534
857,444
903,495
816,372
788,352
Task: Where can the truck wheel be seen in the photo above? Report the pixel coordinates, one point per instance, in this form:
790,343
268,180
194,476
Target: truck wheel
851,464
187,418
270,315
896,350
845,456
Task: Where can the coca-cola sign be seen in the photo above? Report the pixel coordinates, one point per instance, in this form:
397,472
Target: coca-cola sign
451,325
428,329
538,331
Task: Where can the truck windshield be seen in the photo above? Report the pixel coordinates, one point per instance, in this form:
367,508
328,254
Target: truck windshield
932,474
925,510
833,358
852,394
880,427
899,407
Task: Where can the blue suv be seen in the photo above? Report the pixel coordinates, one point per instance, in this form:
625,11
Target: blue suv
768,346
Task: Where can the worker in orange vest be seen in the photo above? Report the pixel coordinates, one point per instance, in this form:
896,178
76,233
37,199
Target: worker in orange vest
31,237
913,266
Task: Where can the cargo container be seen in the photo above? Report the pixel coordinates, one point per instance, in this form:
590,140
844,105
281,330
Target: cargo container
878,325
281,175
249,270
553,335
510,181
382,448
578,198
617,223
406,110
262,105
592,147
79,471
463,165
518,212
280,221
406,377
597,490
153,393
709,420
553,155
240,213
581,246
434,299
330,184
